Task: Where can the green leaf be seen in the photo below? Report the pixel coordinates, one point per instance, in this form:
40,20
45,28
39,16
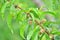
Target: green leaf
35,12
9,22
22,29
35,34
3,9
45,37
32,16
31,33
56,33
50,12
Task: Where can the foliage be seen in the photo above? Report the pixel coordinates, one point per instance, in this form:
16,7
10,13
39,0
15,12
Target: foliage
22,20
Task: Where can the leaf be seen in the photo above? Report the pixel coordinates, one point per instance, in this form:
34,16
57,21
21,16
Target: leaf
45,37
9,22
31,33
50,12
56,33
3,9
35,12
20,16
32,16
35,34
22,29
40,36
